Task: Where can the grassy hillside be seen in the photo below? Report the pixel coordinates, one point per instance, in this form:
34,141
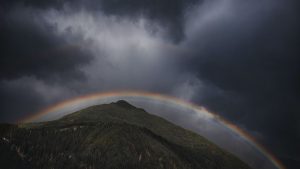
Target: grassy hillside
110,136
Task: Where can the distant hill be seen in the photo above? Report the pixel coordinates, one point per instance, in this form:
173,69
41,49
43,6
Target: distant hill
109,136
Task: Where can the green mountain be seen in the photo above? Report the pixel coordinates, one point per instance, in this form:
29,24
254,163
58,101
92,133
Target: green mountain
109,136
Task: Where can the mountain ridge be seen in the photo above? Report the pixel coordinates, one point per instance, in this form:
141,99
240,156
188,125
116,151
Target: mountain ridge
115,135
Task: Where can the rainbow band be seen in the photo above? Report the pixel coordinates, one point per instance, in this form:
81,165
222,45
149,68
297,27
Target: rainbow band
159,97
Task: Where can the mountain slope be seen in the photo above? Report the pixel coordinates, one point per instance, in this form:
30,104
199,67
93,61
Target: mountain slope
110,136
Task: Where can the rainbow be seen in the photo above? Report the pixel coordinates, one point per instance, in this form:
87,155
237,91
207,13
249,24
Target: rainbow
158,97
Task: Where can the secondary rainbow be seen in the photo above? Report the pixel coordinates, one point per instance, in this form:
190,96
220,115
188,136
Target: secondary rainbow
159,97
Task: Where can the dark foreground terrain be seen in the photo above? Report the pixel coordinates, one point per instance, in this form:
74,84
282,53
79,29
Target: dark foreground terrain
109,136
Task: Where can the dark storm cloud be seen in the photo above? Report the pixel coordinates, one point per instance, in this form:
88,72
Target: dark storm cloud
38,58
30,47
32,53
254,59
16,99
36,41
168,13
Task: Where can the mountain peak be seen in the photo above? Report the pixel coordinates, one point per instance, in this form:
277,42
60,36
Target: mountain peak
124,104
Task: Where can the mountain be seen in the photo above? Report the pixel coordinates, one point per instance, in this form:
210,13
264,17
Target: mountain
109,136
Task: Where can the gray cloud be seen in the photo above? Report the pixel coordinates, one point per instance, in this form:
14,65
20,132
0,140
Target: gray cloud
16,98
251,55
31,45
169,14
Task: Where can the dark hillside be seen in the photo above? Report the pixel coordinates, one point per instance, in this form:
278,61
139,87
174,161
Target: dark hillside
110,136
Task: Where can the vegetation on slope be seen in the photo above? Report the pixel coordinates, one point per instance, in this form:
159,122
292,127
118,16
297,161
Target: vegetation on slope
110,136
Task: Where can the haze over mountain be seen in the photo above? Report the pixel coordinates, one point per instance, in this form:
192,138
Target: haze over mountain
110,136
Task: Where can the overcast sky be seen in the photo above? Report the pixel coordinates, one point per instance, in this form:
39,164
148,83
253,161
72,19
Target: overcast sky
238,58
